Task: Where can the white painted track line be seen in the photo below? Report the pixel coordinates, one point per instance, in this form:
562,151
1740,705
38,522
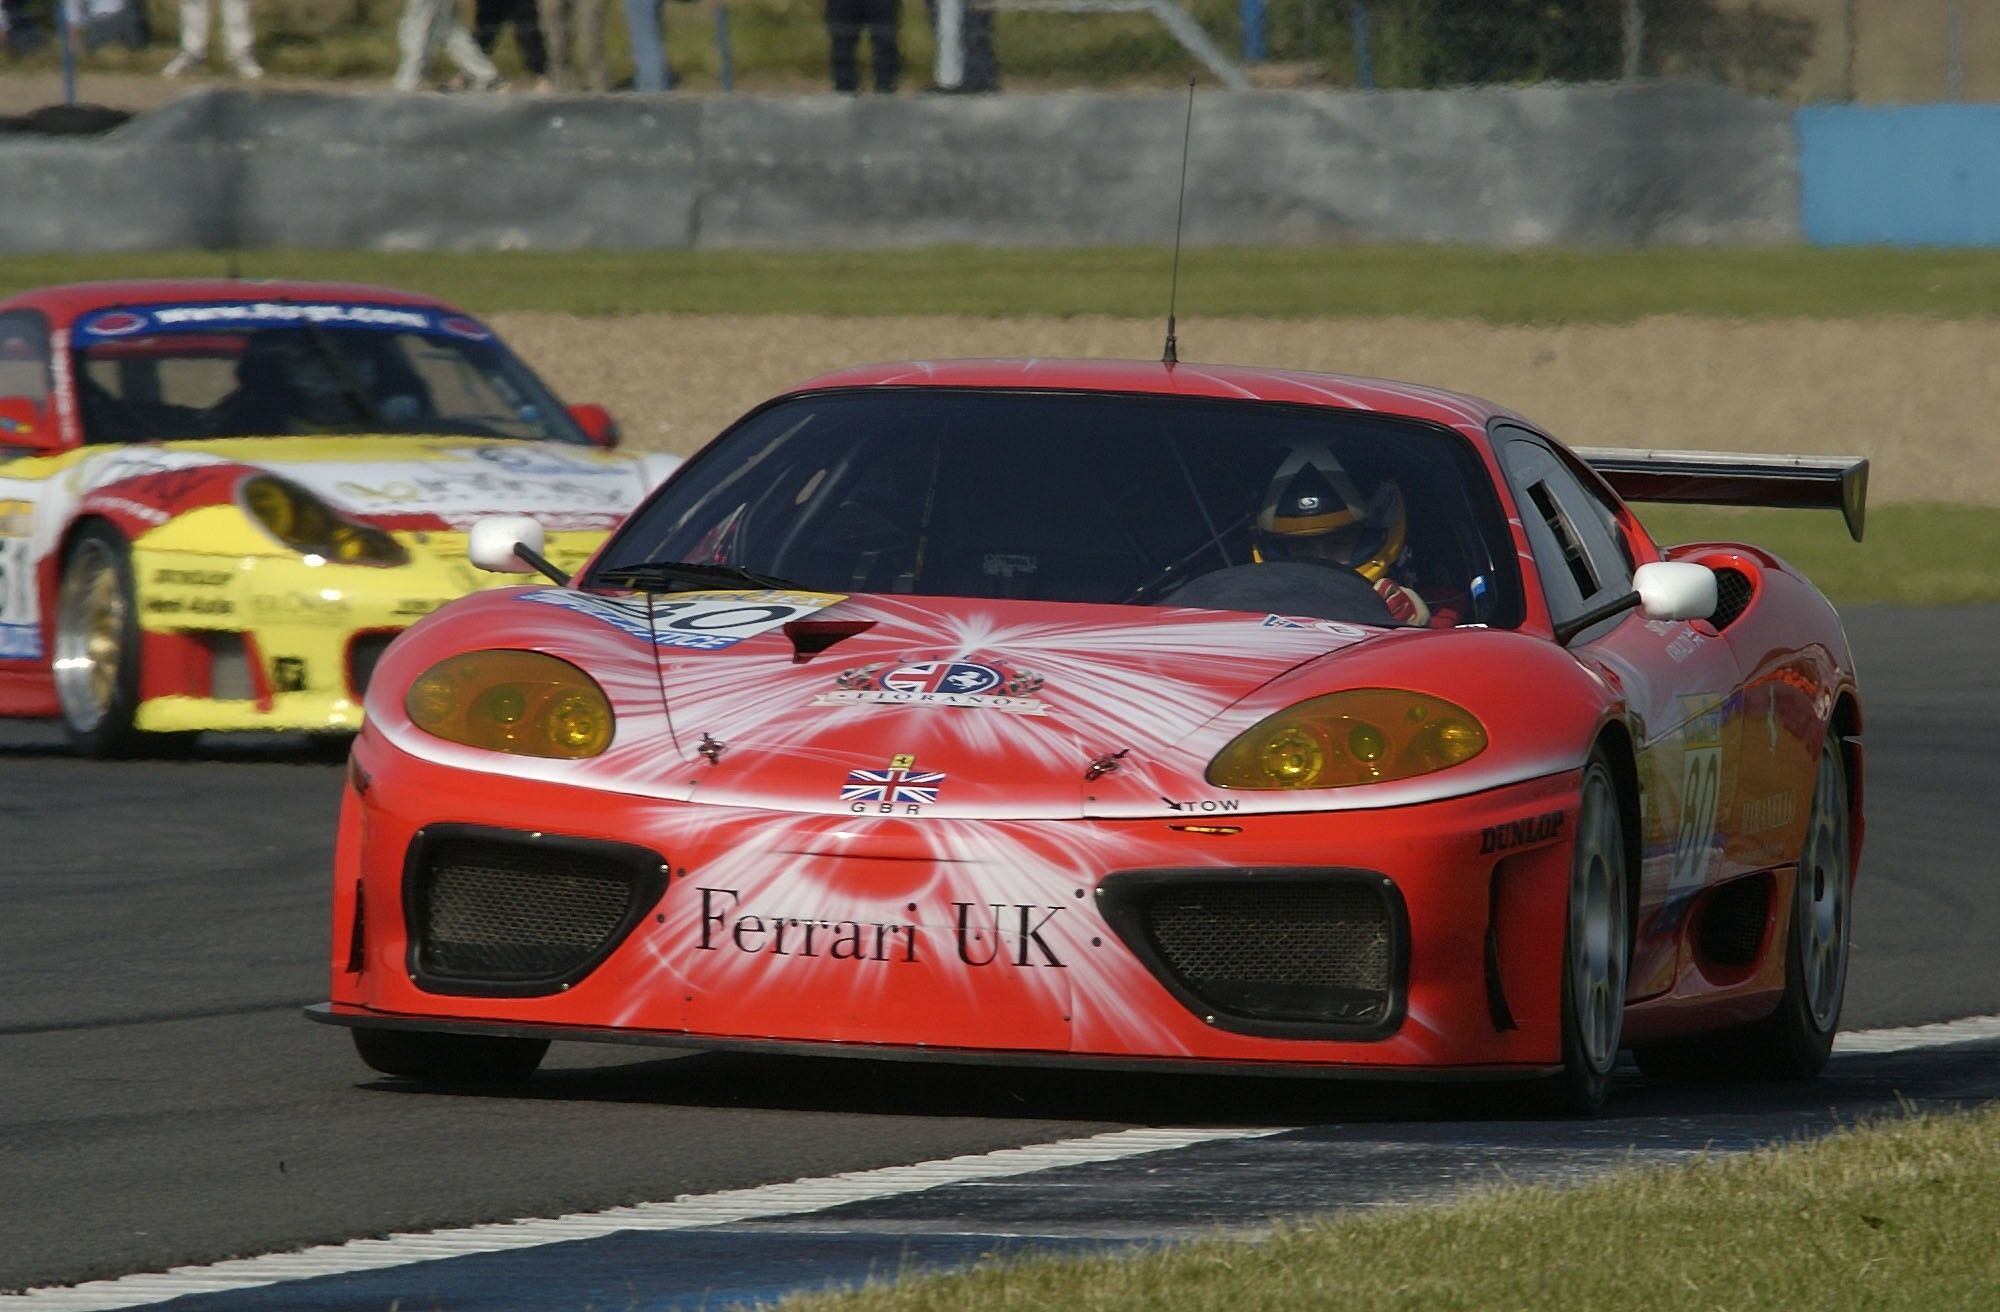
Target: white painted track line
770,1200
1970,1029
789,1199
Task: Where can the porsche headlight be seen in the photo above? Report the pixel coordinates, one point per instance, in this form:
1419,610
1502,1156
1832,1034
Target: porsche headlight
512,701
1360,736
301,521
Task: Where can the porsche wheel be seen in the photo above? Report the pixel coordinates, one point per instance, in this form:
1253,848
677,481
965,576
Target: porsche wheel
1597,948
449,1058
97,644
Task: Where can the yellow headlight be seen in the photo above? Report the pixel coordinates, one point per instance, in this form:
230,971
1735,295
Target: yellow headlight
301,521
270,504
512,701
1360,736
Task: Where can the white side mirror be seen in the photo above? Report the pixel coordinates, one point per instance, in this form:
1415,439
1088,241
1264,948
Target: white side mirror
1675,590
493,539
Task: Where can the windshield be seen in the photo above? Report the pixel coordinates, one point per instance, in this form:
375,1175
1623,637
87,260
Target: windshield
159,373
1228,505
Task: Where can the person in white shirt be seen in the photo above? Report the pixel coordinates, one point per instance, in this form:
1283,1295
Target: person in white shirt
194,38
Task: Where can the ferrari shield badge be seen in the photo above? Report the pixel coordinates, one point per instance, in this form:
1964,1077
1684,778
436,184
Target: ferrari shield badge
967,683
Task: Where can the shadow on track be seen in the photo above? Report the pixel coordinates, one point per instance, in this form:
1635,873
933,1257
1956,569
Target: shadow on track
1853,1087
31,740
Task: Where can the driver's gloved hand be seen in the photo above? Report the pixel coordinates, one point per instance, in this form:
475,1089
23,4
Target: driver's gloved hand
1405,606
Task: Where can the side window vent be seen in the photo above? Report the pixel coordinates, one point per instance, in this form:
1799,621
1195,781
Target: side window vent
1733,594
1579,564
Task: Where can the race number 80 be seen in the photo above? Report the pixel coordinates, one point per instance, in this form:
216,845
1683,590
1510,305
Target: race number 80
713,622
702,621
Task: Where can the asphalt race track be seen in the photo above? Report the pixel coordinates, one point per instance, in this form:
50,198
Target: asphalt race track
162,1102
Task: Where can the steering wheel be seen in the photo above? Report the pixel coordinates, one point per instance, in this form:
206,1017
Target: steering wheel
1323,591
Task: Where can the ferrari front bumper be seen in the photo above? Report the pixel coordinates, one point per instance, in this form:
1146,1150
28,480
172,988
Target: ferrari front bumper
973,940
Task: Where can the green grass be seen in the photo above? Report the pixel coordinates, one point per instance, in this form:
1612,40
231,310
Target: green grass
1893,1217
1915,553
1289,283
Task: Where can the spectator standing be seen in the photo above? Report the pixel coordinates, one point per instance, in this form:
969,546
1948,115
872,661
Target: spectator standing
428,24
845,22
583,22
19,32
647,30
194,38
975,43
490,17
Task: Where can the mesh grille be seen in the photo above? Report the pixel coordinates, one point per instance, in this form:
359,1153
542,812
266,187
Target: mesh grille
505,911
1732,596
1289,950
362,655
1732,927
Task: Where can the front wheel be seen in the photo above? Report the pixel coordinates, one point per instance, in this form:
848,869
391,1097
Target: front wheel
449,1058
1597,946
97,644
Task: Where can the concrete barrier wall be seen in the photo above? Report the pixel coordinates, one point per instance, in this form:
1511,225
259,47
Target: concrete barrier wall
1911,175
1506,168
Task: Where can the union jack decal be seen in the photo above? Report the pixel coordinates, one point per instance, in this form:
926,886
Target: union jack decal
900,784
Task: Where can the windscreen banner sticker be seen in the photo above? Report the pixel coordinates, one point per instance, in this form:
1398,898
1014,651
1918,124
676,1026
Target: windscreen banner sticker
20,629
693,621
1335,627
226,316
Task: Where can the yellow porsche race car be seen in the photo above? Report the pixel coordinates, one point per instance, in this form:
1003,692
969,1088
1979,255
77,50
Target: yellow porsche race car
219,501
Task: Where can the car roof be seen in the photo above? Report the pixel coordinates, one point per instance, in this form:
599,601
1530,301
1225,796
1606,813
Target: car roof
1233,382
68,300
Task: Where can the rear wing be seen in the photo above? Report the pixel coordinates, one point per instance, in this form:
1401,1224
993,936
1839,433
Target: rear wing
1724,478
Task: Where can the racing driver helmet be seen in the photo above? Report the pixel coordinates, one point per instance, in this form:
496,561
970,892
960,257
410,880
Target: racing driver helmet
285,382
1312,511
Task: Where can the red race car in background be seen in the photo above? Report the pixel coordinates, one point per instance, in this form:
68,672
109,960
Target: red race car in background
1130,714
220,500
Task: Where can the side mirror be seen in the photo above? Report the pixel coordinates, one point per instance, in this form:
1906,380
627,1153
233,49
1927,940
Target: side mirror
597,425
1675,590
23,423
493,539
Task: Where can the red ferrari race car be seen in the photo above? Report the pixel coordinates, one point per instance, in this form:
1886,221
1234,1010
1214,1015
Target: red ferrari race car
1130,714
219,500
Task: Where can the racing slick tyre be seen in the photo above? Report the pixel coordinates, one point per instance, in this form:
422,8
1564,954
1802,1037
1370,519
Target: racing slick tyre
1597,950
449,1058
97,644
1793,1042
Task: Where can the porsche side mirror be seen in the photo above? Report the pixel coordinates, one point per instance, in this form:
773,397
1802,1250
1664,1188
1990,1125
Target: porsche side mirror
1675,590
496,540
24,424
597,425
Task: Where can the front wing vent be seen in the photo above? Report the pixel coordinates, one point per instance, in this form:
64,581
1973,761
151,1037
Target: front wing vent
502,912
1290,952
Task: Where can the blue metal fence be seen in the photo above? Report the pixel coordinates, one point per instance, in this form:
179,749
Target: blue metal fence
1908,175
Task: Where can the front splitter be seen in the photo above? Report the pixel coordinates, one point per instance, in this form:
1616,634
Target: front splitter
326,1014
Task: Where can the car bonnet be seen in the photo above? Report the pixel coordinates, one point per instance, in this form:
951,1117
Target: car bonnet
910,706
393,481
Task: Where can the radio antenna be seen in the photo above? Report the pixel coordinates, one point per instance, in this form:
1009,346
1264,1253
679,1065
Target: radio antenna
1172,355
